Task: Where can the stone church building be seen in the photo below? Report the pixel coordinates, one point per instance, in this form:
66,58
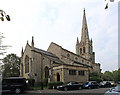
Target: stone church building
59,64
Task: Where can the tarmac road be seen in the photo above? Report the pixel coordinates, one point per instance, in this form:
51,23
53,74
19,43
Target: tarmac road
99,91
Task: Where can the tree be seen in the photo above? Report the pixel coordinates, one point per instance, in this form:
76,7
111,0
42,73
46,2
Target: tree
106,7
3,15
108,76
11,67
115,75
119,74
95,76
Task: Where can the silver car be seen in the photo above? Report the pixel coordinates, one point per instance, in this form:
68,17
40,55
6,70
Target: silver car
113,91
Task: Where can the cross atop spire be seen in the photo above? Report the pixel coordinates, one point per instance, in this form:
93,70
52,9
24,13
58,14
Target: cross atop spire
85,34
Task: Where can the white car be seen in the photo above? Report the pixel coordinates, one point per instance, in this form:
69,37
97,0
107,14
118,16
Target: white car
113,91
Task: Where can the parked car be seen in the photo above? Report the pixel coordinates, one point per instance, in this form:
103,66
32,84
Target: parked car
70,86
14,84
91,84
113,91
105,84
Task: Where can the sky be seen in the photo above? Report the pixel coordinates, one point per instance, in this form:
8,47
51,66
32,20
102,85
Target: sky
60,21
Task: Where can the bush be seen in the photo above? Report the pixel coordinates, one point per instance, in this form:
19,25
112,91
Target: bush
55,84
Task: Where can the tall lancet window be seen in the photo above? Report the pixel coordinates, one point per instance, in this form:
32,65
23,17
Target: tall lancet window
83,49
26,64
80,50
46,72
89,50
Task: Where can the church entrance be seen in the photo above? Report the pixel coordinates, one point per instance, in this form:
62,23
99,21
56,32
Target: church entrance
58,77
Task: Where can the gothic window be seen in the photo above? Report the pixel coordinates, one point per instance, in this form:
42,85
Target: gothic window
46,72
58,77
26,64
81,73
89,49
80,50
83,49
72,72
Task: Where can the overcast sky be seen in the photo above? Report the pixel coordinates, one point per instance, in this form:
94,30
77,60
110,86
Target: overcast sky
60,21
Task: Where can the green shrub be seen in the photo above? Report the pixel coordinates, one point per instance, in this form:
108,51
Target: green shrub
55,84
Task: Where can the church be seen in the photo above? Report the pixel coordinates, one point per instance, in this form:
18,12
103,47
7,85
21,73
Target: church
59,64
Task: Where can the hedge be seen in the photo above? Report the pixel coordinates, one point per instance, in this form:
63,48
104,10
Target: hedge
55,84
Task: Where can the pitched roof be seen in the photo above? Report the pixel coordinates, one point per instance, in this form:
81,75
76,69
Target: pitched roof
55,58
43,52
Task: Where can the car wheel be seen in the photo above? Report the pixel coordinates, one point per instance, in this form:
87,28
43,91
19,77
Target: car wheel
65,89
17,90
80,88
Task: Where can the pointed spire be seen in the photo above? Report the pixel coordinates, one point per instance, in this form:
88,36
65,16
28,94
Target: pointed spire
84,35
32,43
91,41
22,52
77,41
27,41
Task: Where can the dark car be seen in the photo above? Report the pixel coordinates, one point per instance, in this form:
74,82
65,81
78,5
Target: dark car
14,84
70,86
91,84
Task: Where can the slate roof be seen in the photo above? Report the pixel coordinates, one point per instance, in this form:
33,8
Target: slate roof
43,52
55,58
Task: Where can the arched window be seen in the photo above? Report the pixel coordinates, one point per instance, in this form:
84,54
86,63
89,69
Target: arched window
26,64
80,50
46,72
83,49
58,77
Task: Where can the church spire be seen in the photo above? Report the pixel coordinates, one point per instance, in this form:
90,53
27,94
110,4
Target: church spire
77,41
85,34
22,52
32,43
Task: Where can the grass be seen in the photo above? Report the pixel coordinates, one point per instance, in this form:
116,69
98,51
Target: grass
39,87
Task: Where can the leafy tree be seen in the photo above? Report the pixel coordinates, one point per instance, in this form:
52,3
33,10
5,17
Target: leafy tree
108,76
95,76
119,74
106,7
3,15
11,67
115,75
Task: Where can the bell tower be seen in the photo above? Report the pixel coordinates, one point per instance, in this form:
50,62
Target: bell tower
84,47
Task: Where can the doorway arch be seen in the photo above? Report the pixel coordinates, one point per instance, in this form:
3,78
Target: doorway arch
58,77
46,72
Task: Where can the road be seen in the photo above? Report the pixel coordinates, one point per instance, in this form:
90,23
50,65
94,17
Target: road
99,91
